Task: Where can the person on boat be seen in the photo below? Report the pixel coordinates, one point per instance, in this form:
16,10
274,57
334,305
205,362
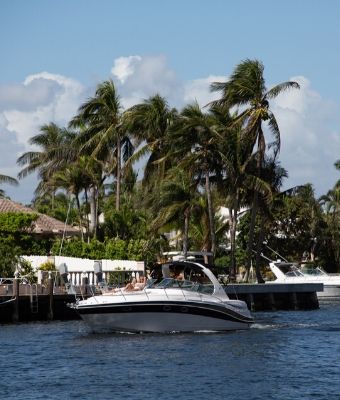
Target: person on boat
140,285
135,284
179,275
176,273
132,286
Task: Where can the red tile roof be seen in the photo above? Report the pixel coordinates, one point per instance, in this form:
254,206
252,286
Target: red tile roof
44,224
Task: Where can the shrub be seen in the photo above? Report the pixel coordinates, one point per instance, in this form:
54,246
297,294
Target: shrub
47,266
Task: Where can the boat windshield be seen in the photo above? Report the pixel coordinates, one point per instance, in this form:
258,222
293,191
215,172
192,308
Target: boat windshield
289,269
315,271
168,283
294,273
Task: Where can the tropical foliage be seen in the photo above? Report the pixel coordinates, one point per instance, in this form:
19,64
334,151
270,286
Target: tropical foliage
196,162
15,240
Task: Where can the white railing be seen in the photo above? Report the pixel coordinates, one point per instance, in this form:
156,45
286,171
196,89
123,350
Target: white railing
78,268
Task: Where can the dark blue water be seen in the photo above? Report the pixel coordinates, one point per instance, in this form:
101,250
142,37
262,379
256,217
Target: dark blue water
286,355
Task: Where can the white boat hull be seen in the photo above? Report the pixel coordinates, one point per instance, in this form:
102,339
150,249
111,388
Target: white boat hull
138,314
286,272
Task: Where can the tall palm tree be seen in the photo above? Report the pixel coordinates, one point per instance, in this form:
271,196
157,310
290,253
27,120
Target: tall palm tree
195,142
246,89
53,143
331,214
102,135
74,179
239,178
176,201
273,174
149,122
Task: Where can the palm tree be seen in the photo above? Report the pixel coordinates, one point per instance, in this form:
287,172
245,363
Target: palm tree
246,89
195,141
176,201
102,135
74,179
331,213
239,178
273,174
149,123
54,143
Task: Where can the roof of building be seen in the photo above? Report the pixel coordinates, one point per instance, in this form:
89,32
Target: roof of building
44,224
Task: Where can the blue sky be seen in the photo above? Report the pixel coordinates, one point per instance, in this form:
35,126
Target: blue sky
54,53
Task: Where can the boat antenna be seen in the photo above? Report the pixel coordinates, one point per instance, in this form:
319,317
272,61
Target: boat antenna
266,244
263,256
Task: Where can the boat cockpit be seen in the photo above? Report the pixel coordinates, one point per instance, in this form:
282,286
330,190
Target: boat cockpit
185,275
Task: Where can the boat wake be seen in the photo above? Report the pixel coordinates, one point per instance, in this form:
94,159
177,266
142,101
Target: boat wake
285,326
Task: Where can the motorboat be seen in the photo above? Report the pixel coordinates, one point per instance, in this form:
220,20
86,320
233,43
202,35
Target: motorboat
288,272
187,297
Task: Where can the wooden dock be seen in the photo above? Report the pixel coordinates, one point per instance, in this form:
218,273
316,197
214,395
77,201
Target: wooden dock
23,303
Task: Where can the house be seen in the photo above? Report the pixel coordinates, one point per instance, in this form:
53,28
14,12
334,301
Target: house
45,226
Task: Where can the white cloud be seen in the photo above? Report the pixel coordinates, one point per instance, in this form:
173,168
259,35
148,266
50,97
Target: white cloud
42,98
199,90
138,78
141,77
27,96
310,136
124,67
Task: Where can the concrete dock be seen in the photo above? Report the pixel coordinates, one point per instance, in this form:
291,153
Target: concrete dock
276,296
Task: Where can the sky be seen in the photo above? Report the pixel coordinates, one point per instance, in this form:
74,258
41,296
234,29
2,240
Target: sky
55,53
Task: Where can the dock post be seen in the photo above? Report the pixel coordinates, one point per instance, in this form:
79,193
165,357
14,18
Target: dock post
50,295
16,293
314,300
251,302
84,284
271,300
294,302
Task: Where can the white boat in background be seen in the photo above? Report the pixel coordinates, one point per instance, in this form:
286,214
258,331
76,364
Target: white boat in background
195,302
287,272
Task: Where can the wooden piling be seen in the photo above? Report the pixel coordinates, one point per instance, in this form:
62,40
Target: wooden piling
16,293
271,301
50,314
294,302
251,302
84,285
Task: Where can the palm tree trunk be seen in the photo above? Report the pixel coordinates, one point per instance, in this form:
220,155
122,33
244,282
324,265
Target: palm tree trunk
210,213
80,217
93,210
258,252
233,216
186,233
118,177
87,216
251,233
